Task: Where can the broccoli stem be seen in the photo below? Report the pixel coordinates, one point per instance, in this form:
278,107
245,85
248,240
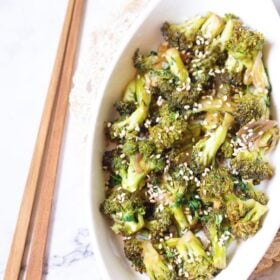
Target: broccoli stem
218,249
180,217
130,92
177,66
155,266
212,27
217,139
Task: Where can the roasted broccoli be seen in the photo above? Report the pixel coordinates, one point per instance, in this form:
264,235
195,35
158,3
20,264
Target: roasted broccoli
244,47
160,222
182,35
145,258
126,210
246,190
245,216
139,167
251,107
252,165
120,127
219,239
170,128
133,250
215,185
196,263
145,63
204,150
174,186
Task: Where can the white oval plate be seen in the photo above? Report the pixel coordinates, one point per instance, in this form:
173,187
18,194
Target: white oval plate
260,15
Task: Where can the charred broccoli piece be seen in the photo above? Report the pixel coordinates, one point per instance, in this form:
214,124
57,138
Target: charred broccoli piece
182,35
126,210
145,258
227,149
170,129
139,167
155,266
160,222
125,108
244,47
205,149
133,163
133,250
245,216
120,127
247,190
144,63
215,185
251,107
195,262
174,186
219,239
252,165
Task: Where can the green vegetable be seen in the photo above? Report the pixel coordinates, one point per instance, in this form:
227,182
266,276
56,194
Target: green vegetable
189,148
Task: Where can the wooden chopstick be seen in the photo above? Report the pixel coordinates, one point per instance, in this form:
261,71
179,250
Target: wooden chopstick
57,98
39,236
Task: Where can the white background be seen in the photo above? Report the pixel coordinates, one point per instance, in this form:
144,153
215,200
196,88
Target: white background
29,33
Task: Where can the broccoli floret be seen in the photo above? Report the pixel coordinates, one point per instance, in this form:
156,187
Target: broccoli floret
139,167
251,107
163,80
155,266
130,147
201,67
215,185
227,149
146,147
242,42
247,190
120,127
196,263
133,250
169,130
205,149
233,65
175,185
175,198
133,169
145,258
126,210
245,48
125,108
218,238
113,162
182,35
252,165
160,222
144,63
245,216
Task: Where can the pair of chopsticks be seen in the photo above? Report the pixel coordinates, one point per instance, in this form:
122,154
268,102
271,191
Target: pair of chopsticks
30,237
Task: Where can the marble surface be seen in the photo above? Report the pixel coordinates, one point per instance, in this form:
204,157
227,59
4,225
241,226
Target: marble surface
29,35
